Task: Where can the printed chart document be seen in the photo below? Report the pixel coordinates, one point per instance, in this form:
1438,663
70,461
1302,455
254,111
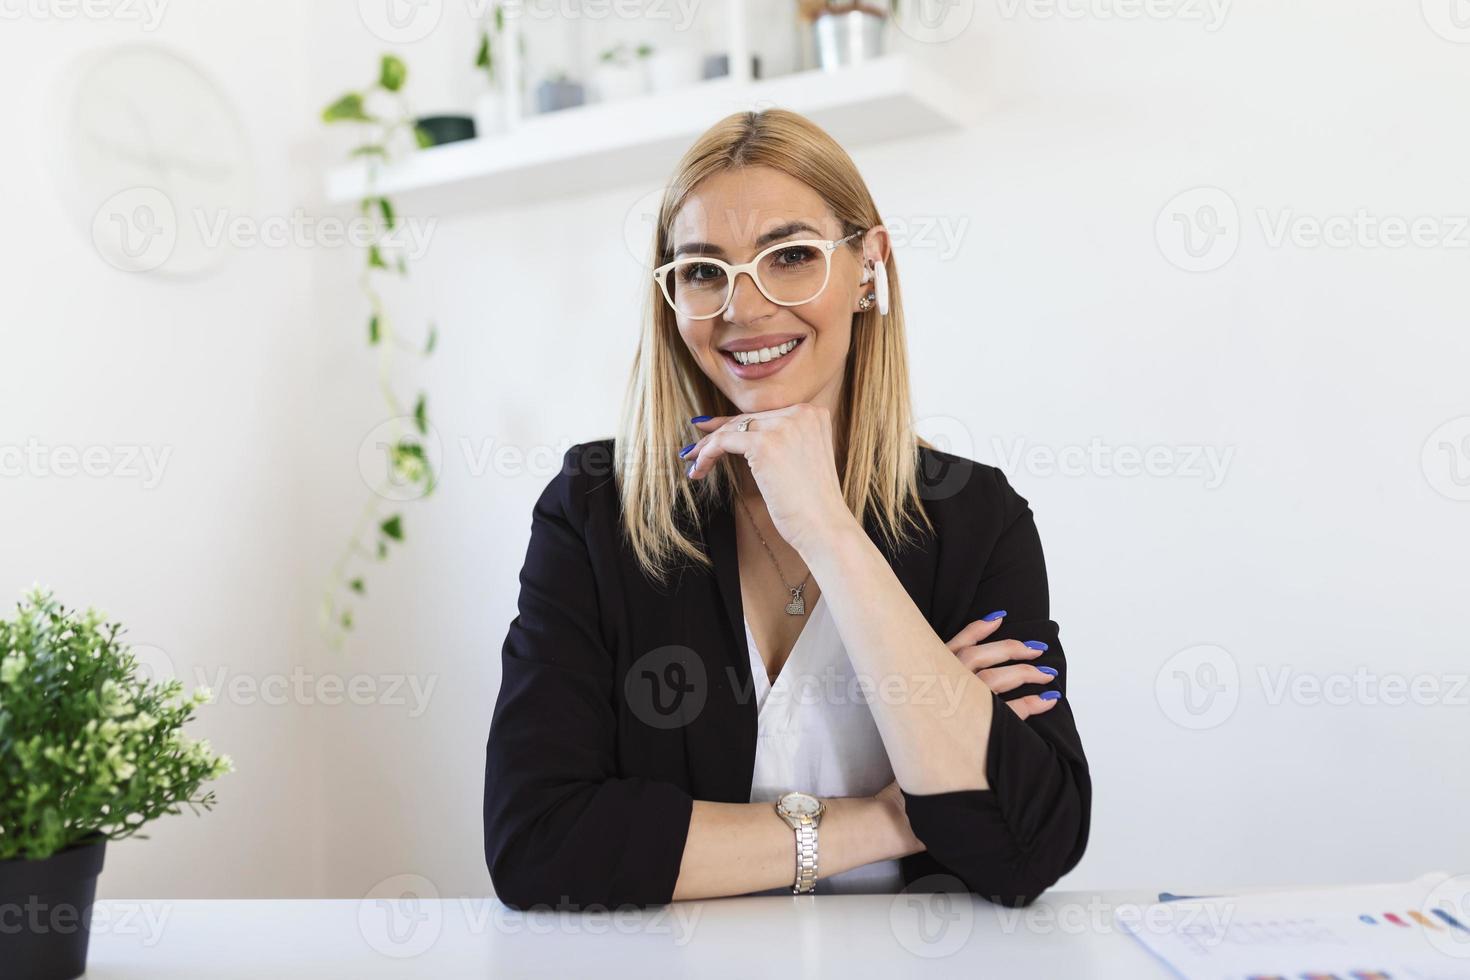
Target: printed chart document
1418,930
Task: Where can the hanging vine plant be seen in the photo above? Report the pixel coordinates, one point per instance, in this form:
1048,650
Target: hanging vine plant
381,113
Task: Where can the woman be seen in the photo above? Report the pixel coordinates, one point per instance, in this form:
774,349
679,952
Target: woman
770,641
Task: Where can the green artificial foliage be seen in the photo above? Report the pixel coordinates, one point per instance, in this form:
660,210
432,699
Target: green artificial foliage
88,748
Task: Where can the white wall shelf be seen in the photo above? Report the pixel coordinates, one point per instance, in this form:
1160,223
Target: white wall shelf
601,145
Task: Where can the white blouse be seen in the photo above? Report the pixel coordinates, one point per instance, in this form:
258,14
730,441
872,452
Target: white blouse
816,734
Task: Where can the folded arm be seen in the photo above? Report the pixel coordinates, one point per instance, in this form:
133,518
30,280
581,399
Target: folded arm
1001,802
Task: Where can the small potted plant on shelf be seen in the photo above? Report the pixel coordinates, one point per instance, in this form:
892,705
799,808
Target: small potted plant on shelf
559,91
90,752
620,72
845,32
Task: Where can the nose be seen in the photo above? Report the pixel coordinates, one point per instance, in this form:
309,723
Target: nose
747,302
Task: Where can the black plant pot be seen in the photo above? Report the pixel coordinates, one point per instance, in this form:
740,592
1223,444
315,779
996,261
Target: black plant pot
46,913
447,129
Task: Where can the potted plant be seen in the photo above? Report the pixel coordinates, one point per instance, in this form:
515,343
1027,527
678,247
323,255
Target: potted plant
559,91
845,32
620,72
90,752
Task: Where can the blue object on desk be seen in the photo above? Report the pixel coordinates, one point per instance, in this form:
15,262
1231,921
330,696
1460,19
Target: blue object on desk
1171,897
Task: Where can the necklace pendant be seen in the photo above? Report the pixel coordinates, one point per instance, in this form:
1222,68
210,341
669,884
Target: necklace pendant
797,605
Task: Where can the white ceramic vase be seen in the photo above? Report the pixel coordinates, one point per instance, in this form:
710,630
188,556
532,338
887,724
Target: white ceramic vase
674,68
612,82
490,115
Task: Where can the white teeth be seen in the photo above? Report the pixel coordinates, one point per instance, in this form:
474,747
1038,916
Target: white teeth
764,354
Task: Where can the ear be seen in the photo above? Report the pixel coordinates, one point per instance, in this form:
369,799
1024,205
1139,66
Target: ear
876,246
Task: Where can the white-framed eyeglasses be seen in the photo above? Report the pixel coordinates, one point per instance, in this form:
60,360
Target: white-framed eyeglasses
787,274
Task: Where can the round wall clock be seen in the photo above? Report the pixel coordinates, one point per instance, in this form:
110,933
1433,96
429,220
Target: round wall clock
153,161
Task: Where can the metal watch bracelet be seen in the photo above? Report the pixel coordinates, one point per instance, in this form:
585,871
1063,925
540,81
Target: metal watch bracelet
806,857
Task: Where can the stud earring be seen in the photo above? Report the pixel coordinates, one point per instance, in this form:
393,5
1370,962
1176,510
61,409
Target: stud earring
866,302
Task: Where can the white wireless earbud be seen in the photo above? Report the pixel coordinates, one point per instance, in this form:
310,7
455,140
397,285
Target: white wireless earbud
881,288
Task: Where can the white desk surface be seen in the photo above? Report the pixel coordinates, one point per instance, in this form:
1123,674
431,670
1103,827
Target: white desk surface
1063,934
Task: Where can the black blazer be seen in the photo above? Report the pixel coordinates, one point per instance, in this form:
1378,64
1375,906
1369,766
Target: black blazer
623,701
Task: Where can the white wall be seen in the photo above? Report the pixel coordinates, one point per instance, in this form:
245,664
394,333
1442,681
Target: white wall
198,560
1044,313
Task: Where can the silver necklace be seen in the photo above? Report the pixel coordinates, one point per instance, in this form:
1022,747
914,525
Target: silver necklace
797,605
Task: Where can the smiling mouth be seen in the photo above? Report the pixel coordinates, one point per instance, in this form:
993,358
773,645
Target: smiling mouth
764,354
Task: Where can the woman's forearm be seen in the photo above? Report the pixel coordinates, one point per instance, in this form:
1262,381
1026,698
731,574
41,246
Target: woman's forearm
932,712
738,848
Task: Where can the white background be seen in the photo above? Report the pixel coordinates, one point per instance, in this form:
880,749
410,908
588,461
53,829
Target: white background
1047,309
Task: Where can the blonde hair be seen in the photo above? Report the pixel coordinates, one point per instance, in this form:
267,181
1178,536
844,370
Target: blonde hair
878,451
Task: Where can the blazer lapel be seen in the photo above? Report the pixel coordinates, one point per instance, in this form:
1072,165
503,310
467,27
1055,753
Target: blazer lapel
721,744
720,539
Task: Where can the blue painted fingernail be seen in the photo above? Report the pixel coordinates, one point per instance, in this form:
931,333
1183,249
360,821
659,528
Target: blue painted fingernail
1050,695
1035,645
992,617
1048,671
699,418
685,451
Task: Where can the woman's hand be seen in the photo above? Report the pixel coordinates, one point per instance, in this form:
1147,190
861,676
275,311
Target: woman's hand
790,454
982,659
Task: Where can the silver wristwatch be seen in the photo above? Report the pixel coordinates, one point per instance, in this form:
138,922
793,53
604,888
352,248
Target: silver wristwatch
804,814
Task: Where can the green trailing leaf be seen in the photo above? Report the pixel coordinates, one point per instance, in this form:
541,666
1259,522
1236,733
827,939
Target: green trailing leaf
375,258
385,207
370,150
410,463
347,620
422,136
374,334
382,551
392,528
356,586
482,56
348,108
392,72
420,416
432,341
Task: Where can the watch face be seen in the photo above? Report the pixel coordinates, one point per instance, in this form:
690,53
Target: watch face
801,805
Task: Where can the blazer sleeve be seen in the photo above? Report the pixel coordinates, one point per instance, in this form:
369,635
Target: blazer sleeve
1011,842
562,827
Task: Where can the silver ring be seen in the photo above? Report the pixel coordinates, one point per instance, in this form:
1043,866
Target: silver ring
743,424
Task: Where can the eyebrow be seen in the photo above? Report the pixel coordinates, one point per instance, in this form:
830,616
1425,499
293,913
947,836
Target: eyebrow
774,235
